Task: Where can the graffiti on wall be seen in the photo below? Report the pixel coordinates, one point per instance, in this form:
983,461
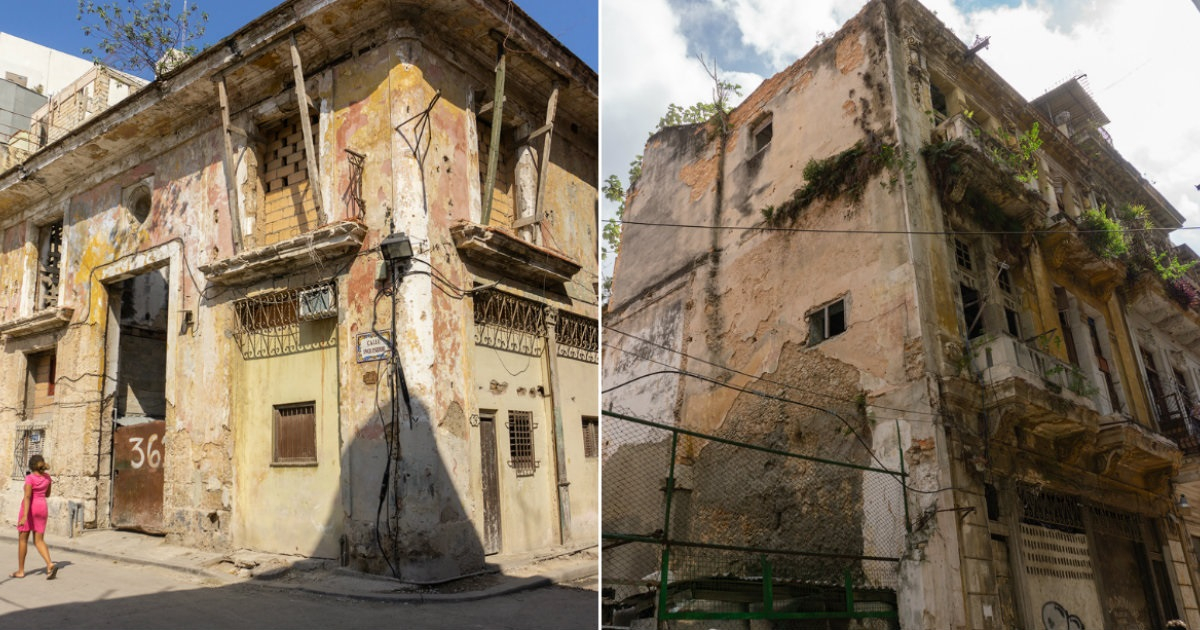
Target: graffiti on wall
1057,617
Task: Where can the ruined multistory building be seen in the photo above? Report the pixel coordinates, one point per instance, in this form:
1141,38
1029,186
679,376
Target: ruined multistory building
887,257
328,289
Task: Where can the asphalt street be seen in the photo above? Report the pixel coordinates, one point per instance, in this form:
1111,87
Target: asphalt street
95,593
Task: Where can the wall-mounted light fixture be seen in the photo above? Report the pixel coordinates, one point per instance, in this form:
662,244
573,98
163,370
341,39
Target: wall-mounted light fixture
1183,502
396,247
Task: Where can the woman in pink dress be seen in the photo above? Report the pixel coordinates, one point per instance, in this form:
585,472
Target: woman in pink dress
33,517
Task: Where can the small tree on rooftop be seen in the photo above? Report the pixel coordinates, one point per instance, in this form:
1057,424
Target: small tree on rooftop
142,36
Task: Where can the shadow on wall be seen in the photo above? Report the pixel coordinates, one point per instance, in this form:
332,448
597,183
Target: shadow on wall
374,493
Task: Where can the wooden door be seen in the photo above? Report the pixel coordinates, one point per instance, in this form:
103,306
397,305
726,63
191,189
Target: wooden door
489,467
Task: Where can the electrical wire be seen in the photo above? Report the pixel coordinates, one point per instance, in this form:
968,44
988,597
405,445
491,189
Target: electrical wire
870,452
747,374
769,228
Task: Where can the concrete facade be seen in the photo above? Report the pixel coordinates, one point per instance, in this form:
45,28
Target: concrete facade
41,69
883,247
237,366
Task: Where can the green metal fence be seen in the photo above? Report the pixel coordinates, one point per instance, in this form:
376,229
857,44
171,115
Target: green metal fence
697,527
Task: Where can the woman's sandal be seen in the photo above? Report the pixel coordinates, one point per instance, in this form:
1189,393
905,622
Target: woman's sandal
14,575
52,572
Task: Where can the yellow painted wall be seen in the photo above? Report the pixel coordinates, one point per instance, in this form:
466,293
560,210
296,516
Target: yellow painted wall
288,509
580,397
529,512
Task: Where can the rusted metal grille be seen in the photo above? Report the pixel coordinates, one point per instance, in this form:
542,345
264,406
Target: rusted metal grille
578,338
1117,524
295,434
29,442
591,436
520,443
270,324
1046,508
508,322
354,197
49,264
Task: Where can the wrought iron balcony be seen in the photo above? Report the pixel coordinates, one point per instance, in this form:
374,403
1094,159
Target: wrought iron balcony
1179,420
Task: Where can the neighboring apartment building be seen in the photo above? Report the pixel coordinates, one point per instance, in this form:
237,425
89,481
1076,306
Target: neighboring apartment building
328,289
39,68
885,243
47,93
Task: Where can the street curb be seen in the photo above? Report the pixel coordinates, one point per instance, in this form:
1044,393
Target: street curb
515,586
131,560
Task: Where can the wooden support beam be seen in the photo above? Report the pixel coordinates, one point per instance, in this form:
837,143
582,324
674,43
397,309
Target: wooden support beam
544,159
302,102
489,183
235,215
256,51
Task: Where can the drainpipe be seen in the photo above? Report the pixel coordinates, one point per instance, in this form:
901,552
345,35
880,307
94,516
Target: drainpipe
560,449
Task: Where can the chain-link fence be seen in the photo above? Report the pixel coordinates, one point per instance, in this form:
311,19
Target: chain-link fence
697,527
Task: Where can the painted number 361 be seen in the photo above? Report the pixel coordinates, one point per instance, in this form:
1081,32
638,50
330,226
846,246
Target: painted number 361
151,455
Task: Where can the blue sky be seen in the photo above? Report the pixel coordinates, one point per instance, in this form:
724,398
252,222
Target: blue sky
53,23
1139,56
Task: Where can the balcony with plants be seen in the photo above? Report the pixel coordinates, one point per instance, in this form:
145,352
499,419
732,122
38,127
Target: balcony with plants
1050,397
992,177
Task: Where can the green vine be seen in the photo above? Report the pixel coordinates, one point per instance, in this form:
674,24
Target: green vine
844,174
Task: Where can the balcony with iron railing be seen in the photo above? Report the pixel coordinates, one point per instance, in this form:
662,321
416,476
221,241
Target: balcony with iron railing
1179,419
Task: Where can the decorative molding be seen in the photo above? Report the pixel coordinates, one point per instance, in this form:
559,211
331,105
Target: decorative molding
505,253
286,257
42,321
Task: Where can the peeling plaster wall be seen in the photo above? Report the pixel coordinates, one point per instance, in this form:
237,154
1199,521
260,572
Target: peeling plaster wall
219,487
742,298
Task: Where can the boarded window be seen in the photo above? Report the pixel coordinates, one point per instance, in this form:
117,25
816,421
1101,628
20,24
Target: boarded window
520,443
295,434
41,373
29,442
591,436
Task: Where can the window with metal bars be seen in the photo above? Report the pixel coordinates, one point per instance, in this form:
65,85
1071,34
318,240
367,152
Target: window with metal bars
591,436
29,442
520,443
295,435
578,337
49,264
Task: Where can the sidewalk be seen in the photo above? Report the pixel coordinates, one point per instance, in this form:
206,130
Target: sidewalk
502,574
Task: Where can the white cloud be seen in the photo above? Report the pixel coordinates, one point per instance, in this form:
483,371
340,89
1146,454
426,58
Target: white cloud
644,67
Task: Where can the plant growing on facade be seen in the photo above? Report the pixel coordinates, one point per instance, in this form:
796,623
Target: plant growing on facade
1184,292
676,115
1018,153
845,173
1102,235
147,36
